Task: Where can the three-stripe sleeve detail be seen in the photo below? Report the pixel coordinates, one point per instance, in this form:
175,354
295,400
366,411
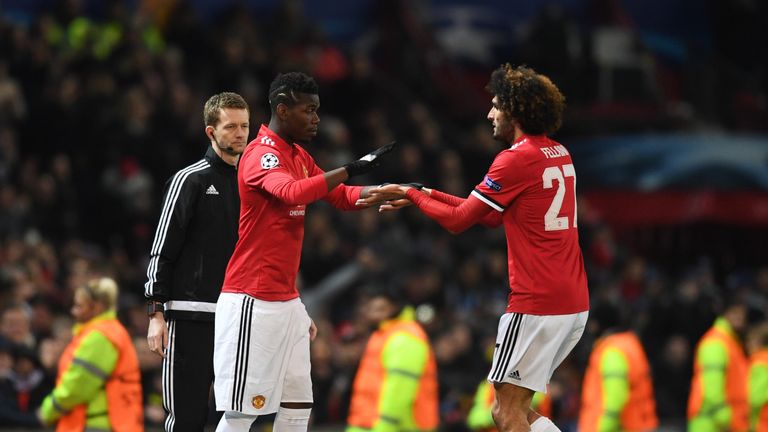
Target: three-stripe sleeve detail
165,217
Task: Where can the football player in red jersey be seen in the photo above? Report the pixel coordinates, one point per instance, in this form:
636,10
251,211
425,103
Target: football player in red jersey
530,189
262,330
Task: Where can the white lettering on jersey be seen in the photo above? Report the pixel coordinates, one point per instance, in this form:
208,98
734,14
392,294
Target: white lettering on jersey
554,152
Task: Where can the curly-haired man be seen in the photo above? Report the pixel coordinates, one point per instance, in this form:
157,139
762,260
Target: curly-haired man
530,189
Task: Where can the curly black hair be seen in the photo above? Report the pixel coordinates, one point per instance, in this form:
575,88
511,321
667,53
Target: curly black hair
285,86
530,98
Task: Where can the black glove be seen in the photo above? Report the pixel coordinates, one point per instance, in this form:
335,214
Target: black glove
369,161
418,186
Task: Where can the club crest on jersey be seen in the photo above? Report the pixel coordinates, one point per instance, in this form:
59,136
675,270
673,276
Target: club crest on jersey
492,184
269,161
258,401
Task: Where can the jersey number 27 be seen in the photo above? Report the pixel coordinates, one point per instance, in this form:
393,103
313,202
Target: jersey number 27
552,219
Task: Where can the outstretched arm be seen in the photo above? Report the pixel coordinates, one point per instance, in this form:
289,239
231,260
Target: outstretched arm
453,213
491,219
276,180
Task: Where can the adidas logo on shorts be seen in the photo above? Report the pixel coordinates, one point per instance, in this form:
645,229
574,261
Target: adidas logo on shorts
515,375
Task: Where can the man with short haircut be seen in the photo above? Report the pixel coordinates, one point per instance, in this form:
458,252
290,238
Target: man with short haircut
195,237
261,358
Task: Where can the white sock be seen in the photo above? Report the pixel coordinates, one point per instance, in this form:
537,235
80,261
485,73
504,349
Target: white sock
543,424
233,421
292,420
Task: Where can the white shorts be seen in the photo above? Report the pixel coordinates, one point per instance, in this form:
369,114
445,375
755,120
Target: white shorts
530,347
261,354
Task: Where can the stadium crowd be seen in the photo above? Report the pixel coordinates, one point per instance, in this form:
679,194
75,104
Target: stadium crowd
96,111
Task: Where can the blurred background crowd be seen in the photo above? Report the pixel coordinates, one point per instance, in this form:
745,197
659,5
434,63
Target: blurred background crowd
667,122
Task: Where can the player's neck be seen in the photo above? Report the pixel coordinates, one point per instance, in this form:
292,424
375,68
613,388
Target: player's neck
274,126
518,133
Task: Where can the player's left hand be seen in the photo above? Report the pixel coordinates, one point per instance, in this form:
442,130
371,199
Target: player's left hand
312,330
383,193
394,205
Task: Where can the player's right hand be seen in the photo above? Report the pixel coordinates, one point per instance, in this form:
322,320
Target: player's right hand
157,335
369,161
394,205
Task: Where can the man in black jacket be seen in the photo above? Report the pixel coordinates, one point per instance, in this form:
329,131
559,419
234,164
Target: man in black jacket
195,237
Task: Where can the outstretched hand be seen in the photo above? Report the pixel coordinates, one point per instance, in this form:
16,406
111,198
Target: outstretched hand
390,197
369,161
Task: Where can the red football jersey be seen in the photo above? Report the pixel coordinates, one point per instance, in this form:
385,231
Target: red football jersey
533,184
276,181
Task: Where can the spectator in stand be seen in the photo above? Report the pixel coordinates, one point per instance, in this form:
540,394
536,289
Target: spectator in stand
16,325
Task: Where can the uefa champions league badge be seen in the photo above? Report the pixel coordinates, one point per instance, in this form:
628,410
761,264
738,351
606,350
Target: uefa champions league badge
269,161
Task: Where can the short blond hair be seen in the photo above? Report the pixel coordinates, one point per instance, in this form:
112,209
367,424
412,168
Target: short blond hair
102,290
218,102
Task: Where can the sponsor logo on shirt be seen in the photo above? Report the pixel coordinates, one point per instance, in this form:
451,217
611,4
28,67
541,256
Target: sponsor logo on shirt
211,190
492,184
298,211
267,140
269,161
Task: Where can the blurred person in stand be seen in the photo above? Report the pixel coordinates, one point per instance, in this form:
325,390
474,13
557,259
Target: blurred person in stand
530,189
11,413
395,388
672,370
16,325
757,378
99,383
261,321
195,237
27,383
718,397
617,392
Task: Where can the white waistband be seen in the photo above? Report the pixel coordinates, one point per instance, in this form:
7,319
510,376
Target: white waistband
192,306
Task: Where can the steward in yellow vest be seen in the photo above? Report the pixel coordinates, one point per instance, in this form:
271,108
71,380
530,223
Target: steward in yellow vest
757,382
718,398
395,388
99,383
617,391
